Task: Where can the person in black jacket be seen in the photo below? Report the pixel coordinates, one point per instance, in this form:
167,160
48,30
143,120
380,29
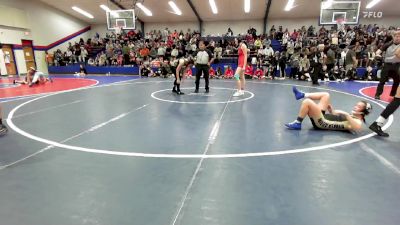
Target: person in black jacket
3,128
82,71
315,64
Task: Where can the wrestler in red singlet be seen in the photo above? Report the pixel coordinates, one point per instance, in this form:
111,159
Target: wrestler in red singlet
241,57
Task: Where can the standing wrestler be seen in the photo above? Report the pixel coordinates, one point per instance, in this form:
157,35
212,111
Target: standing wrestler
239,74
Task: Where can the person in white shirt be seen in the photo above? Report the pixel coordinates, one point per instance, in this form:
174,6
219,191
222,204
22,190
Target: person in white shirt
161,51
84,54
40,78
175,51
268,51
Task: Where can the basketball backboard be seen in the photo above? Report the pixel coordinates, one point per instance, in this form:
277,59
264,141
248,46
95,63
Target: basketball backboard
124,19
339,10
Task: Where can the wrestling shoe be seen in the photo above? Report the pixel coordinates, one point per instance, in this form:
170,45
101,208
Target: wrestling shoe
3,130
377,129
295,125
238,93
297,94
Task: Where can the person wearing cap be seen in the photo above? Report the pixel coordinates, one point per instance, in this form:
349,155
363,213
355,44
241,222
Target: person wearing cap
392,65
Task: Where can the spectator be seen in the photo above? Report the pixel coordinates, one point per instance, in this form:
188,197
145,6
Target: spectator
259,74
268,51
3,128
82,71
228,73
91,62
49,59
219,73
230,32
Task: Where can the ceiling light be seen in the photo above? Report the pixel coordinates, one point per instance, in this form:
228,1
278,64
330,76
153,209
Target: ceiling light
175,8
83,12
289,5
372,3
105,8
144,9
213,6
246,6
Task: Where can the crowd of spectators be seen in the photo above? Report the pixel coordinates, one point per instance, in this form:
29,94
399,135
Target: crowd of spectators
329,49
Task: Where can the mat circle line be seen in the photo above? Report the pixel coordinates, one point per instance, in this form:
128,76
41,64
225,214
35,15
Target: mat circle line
153,95
190,156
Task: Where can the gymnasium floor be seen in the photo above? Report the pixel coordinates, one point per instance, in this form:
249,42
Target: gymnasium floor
121,150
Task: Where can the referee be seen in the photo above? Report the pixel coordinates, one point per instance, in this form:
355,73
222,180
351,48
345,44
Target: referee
391,65
204,58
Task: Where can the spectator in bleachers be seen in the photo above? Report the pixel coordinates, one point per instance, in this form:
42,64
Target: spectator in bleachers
258,43
230,32
268,51
166,44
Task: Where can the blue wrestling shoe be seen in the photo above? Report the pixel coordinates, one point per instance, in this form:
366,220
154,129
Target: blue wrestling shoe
295,125
298,94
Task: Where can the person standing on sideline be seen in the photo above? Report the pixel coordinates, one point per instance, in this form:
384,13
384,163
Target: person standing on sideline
3,128
204,58
392,63
316,64
239,74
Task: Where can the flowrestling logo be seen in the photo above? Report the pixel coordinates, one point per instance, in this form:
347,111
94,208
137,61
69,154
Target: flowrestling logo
368,14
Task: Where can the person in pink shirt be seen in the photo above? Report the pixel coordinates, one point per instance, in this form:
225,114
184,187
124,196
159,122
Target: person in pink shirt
211,71
259,74
249,71
228,73
120,59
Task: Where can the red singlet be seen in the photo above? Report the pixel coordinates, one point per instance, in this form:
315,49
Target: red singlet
241,57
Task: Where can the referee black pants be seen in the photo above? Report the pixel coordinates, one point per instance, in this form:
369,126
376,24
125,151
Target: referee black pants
205,70
389,70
